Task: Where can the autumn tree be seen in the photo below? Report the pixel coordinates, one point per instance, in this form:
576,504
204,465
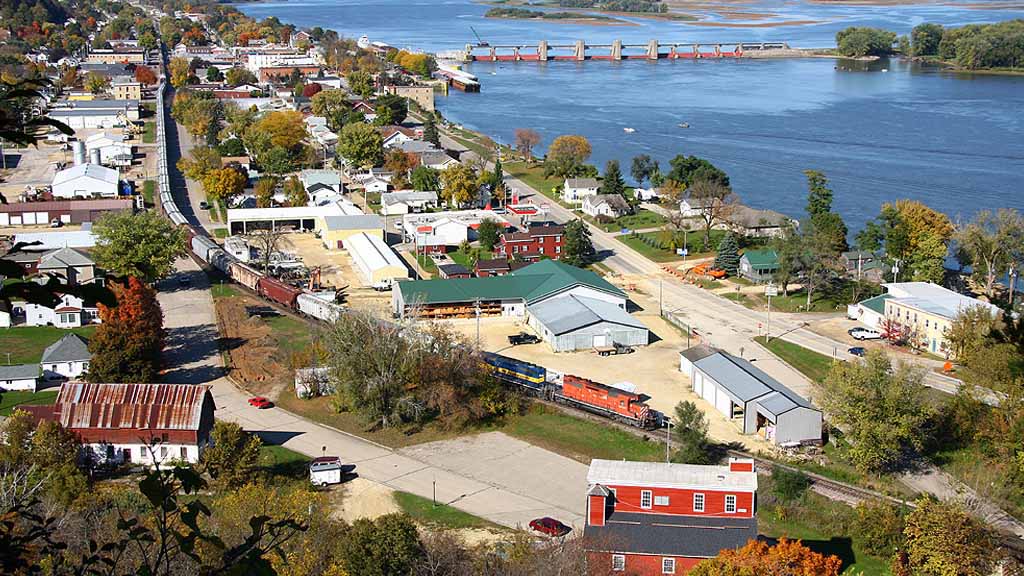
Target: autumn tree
526,139
879,407
401,163
361,144
459,184
787,558
577,245
127,345
295,192
991,245
970,331
203,160
917,236
425,178
180,69
223,183
44,454
332,105
145,75
311,89
943,540
143,245
265,188
237,76
361,83
233,456
716,204
285,128
566,156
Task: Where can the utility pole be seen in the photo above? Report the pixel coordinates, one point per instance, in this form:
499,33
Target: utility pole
769,291
668,443
478,323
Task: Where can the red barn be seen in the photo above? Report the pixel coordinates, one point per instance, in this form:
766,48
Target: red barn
650,518
538,241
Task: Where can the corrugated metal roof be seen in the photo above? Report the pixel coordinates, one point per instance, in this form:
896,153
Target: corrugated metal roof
372,251
662,475
747,382
568,313
130,406
354,222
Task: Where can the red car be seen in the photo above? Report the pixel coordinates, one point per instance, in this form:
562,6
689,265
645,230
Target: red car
260,402
549,526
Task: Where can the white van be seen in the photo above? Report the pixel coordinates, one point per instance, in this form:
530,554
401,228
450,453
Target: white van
325,470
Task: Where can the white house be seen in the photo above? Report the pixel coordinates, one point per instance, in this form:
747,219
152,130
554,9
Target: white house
437,159
693,207
396,135
85,180
67,358
575,189
375,185
70,312
314,180
19,377
407,201
610,205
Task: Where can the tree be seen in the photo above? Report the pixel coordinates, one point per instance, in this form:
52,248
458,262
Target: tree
425,178
145,75
970,331
525,141
988,244
787,558
203,161
332,105
690,430
266,242
285,127
687,170
612,183
496,180
943,540
391,109
223,183
180,69
361,83
361,144
311,89
918,236
96,83
213,74
788,247
925,39
265,188
717,203
459,184
237,76
728,256
879,408
488,234
127,345
19,122
232,147
430,133
643,168
827,225
400,162
295,192
233,456
860,41
386,546
143,245
566,156
276,160
577,246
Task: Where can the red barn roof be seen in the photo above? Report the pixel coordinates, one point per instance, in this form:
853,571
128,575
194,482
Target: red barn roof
153,407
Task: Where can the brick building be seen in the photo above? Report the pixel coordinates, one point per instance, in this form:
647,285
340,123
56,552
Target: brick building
650,518
536,242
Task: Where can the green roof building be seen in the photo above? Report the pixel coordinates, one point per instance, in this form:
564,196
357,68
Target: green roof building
759,265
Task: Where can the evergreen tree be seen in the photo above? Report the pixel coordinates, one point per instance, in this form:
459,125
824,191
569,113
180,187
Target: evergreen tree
126,347
430,133
828,227
612,183
578,248
728,257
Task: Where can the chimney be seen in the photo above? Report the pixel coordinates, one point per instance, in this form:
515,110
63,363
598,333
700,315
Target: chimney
741,464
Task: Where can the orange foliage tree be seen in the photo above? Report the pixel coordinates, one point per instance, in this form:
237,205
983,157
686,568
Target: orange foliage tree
126,347
757,558
145,75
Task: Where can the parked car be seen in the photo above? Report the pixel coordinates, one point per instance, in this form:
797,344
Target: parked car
857,351
522,338
204,205
549,526
260,402
56,223
864,334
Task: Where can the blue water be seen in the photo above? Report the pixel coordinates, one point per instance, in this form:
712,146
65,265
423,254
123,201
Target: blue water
953,141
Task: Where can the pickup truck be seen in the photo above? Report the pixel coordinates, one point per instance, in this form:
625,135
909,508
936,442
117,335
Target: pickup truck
522,338
614,350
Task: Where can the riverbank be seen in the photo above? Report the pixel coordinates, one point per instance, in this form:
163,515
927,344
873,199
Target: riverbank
522,14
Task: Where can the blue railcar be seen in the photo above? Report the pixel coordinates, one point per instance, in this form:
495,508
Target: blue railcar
516,371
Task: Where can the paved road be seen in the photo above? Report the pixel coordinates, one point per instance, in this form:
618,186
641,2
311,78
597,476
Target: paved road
187,193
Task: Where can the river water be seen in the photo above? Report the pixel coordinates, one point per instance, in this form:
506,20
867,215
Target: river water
880,132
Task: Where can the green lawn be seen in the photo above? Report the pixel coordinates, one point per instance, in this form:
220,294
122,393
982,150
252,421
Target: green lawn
10,400
220,233
533,176
280,462
463,258
855,562
292,335
810,363
439,515
148,191
646,250
640,219
26,344
223,290
149,134
427,263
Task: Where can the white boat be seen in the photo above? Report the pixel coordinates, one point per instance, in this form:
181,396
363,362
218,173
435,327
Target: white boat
684,125
629,130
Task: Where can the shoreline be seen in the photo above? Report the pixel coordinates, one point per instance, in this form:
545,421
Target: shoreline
577,21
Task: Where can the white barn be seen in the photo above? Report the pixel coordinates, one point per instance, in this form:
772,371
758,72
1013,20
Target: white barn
85,180
377,263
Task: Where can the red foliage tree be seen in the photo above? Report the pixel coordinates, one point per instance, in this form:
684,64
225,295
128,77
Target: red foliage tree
787,558
145,75
309,90
127,345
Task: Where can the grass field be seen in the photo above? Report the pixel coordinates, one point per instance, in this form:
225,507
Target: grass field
11,400
811,364
439,515
149,135
427,263
148,191
640,219
26,344
646,250
280,462
855,561
461,257
292,335
220,233
223,290
533,176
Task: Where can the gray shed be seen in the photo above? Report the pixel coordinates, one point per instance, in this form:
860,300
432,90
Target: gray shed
753,400
574,322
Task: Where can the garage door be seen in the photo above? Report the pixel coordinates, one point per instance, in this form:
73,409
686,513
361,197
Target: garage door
600,340
28,218
5,219
42,217
709,391
66,218
698,383
724,404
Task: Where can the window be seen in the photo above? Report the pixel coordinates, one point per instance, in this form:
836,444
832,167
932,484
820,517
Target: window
184,453
661,500
645,499
618,562
163,452
668,565
698,502
730,503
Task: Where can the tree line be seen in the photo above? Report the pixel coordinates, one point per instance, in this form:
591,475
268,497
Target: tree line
973,47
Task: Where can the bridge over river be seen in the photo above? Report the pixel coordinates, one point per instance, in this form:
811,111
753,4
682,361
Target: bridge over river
581,51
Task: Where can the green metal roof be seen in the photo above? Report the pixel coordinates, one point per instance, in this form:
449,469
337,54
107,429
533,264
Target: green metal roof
762,259
531,283
876,304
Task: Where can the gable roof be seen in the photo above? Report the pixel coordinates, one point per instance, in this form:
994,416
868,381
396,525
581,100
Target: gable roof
70,348
148,407
63,258
671,535
19,371
615,201
95,171
326,177
766,259
570,313
581,183
745,382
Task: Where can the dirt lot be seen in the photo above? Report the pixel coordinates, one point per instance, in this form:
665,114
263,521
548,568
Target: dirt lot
29,167
337,270
257,360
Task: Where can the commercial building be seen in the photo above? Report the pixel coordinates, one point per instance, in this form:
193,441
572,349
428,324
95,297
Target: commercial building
377,263
67,358
407,201
127,423
122,55
85,181
63,211
126,90
112,149
754,401
423,96
538,241
53,239
336,230
581,323
97,113
289,218
653,518
437,231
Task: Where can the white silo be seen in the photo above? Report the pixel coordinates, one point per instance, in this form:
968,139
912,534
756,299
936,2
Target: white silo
78,147
94,156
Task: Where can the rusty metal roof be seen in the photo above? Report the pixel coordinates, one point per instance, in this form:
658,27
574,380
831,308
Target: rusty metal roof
131,406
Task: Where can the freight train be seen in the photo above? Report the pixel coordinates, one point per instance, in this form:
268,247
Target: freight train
619,404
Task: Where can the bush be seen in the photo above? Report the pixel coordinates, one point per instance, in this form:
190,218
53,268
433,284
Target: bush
789,485
879,528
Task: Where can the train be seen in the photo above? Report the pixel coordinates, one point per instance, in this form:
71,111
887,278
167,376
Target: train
320,306
620,404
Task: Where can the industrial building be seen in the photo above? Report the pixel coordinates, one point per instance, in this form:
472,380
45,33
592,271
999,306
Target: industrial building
754,401
581,323
336,230
85,181
63,211
377,263
97,113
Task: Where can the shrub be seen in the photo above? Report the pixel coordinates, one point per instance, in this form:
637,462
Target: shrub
789,485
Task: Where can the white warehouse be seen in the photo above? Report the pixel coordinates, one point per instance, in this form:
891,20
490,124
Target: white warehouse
376,261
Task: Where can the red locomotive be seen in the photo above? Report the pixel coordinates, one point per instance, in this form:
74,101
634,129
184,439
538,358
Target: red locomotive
617,403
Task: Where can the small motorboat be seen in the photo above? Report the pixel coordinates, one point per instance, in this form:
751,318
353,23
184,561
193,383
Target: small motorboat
629,130
684,125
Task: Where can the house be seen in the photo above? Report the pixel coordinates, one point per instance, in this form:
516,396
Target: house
315,180
415,146
924,312
69,312
126,90
575,189
695,207
135,423
647,194
366,109
539,241
864,265
5,315
653,518
395,135
67,358
23,377
577,322
437,159
84,181
752,400
759,265
754,223
495,267
69,266
407,201
300,37
375,185
608,205
63,211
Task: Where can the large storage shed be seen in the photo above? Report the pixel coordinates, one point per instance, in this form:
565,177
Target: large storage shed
376,261
754,401
574,322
